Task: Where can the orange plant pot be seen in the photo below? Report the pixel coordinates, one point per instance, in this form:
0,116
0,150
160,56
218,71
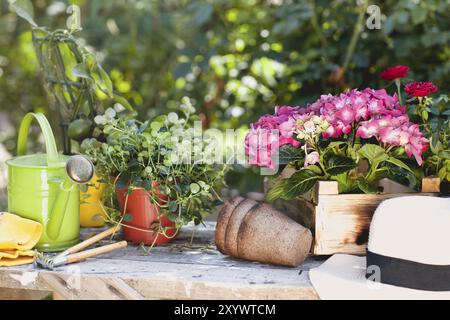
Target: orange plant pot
142,214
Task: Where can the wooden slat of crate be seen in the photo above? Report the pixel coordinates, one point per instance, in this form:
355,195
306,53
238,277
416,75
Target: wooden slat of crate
342,221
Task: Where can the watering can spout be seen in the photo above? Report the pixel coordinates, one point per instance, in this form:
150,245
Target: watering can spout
80,170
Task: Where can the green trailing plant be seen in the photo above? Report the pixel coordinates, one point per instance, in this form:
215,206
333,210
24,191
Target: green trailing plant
73,76
167,156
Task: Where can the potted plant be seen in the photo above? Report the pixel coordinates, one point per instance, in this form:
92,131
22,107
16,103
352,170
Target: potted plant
432,115
335,137
338,149
162,172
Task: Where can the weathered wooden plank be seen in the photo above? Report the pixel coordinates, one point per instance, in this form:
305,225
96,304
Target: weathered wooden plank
169,272
114,279
20,294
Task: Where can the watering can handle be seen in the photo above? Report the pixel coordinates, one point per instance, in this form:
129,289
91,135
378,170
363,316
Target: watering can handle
50,144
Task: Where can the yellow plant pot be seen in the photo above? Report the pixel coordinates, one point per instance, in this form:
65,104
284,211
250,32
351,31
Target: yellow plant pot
92,213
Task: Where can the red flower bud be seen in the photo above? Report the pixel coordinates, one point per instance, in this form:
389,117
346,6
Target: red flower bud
394,73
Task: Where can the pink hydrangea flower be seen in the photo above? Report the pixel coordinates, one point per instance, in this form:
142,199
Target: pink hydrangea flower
371,113
347,115
368,129
312,158
331,132
270,133
346,110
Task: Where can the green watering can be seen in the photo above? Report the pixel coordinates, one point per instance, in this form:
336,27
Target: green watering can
40,189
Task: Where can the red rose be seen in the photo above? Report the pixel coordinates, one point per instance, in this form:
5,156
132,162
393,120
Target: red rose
420,89
394,73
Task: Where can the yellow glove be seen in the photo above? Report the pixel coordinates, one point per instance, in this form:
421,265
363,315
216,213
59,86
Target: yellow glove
16,258
17,233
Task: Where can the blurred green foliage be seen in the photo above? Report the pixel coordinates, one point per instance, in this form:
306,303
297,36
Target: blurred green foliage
236,59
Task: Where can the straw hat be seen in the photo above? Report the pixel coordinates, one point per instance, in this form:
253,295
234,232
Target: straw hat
408,255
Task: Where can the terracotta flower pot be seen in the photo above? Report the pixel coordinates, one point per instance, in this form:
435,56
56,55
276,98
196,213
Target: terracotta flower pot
142,214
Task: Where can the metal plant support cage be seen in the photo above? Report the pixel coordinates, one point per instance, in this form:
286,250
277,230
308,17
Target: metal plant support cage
58,52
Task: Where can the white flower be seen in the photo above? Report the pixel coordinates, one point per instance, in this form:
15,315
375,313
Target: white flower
100,120
172,117
148,170
187,106
110,113
309,127
119,108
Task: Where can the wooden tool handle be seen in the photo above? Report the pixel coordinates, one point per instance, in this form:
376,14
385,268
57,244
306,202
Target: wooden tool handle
86,243
80,256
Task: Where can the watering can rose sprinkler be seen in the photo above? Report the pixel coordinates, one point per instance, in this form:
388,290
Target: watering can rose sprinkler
44,187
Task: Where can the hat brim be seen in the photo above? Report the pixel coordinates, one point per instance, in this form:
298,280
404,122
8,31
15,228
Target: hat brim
343,277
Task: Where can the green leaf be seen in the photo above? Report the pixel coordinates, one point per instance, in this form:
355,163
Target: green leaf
181,70
337,147
335,165
106,80
378,174
147,185
314,168
103,81
288,153
128,217
156,126
24,9
172,206
124,102
402,176
195,188
444,154
418,15
202,12
80,71
365,186
287,189
345,183
399,163
373,153
435,144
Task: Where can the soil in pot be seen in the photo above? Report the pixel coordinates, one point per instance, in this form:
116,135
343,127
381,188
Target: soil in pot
141,215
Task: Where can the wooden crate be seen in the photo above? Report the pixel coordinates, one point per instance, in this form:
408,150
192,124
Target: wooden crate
340,222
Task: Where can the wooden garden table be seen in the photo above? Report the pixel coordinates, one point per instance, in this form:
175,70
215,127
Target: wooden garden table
176,271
